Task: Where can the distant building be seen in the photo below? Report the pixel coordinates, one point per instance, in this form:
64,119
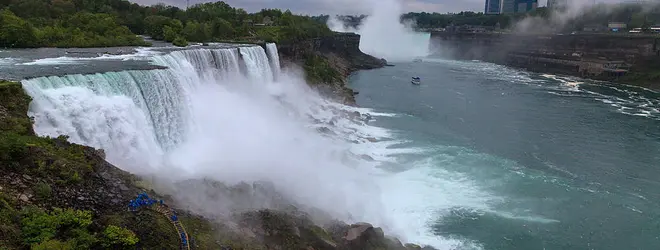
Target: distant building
557,4
617,26
526,5
468,28
493,7
509,6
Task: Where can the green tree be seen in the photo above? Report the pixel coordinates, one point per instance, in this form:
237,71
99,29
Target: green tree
223,29
16,32
169,35
197,32
154,26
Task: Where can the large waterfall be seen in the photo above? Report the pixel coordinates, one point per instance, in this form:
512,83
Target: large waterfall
216,113
231,115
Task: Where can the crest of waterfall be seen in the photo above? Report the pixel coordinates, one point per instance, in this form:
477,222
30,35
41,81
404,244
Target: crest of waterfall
274,58
83,106
257,64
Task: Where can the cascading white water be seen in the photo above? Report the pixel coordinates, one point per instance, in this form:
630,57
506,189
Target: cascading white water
188,119
274,58
204,118
227,61
257,63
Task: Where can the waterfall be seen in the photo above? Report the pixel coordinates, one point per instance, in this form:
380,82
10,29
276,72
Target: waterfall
217,114
137,112
257,63
227,60
274,58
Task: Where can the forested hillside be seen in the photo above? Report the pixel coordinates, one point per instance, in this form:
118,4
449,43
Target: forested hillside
104,23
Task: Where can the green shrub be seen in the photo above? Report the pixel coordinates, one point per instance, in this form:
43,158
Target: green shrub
319,70
37,226
42,190
53,245
180,42
115,236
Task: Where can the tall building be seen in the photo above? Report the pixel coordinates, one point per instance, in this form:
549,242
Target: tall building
493,7
509,6
526,5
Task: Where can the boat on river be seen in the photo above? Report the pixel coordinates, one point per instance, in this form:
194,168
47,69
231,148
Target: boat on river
416,80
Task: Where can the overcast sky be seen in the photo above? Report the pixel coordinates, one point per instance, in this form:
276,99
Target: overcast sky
342,6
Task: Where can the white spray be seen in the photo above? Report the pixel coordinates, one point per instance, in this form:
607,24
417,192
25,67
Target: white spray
383,35
190,121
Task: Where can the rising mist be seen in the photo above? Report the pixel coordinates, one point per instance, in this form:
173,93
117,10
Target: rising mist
384,35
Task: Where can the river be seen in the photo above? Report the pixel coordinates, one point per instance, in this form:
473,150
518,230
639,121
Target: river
518,160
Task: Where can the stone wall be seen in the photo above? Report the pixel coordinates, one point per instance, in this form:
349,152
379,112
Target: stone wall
598,56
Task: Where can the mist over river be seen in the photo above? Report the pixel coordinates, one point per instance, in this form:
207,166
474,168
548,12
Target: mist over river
517,160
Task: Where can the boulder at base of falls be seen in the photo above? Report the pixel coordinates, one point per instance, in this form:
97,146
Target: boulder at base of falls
364,236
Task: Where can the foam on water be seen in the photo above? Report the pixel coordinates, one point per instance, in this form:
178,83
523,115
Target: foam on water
140,54
231,115
624,99
7,61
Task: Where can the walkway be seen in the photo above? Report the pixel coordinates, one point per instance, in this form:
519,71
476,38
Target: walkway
143,200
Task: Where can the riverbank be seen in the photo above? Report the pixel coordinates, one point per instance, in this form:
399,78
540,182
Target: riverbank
627,59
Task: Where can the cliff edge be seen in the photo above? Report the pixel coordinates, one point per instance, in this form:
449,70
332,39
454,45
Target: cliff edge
621,58
328,61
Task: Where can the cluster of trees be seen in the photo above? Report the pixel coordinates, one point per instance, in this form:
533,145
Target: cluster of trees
91,23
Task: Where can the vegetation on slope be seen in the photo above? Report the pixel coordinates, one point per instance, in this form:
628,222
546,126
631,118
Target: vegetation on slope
318,69
59,195
104,23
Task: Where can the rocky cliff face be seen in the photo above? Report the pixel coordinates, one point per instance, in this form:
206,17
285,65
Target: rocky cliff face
341,51
614,57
